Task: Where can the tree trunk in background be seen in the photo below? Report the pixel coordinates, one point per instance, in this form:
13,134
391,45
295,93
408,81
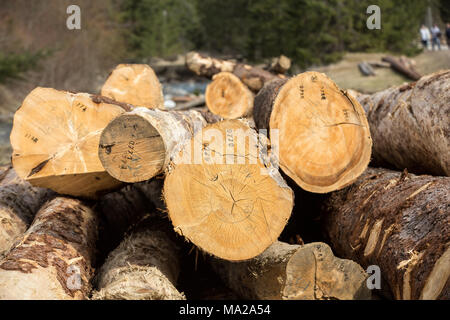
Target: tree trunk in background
252,77
228,97
410,125
145,266
53,260
55,139
136,84
231,201
139,145
323,137
19,202
301,272
399,222
401,65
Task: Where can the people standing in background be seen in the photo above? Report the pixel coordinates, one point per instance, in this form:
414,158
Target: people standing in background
436,37
447,33
425,36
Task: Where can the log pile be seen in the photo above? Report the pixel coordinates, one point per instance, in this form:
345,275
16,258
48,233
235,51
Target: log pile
110,194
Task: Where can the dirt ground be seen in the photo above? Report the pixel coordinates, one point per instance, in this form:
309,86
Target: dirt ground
347,75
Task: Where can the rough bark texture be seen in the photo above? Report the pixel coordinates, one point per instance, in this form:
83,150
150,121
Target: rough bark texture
230,201
122,209
54,258
139,145
145,266
401,65
288,272
410,125
19,202
400,222
55,138
253,77
319,131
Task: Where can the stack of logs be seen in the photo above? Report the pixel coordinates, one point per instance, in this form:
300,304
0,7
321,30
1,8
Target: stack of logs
84,207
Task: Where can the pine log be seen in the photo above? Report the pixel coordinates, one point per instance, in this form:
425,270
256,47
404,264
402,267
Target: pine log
252,77
145,266
19,202
323,138
224,195
295,272
136,84
122,209
280,65
228,97
403,67
139,145
53,259
410,125
55,138
399,222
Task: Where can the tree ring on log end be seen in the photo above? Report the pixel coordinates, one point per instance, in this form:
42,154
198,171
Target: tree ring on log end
228,97
324,137
131,149
231,210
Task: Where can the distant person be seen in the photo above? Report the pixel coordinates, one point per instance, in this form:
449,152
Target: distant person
447,33
425,36
436,37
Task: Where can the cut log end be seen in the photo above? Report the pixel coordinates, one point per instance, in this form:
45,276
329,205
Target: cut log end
228,97
55,139
233,211
136,84
324,137
131,149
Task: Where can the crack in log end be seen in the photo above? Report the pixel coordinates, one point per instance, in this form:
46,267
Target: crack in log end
101,99
38,168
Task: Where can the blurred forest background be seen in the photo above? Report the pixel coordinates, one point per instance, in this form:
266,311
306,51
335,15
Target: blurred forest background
37,49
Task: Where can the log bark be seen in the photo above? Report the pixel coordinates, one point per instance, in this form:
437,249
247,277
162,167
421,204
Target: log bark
410,125
400,65
19,202
322,135
145,266
225,195
55,139
252,77
400,222
295,272
136,84
120,210
228,97
53,259
139,145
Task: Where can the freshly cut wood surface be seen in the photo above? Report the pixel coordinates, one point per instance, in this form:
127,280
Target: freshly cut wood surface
280,64
145,266
323,141
294,272
55,138
228,97
139,145
410,125
230,201
19,202
54,258
399,222
136,84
